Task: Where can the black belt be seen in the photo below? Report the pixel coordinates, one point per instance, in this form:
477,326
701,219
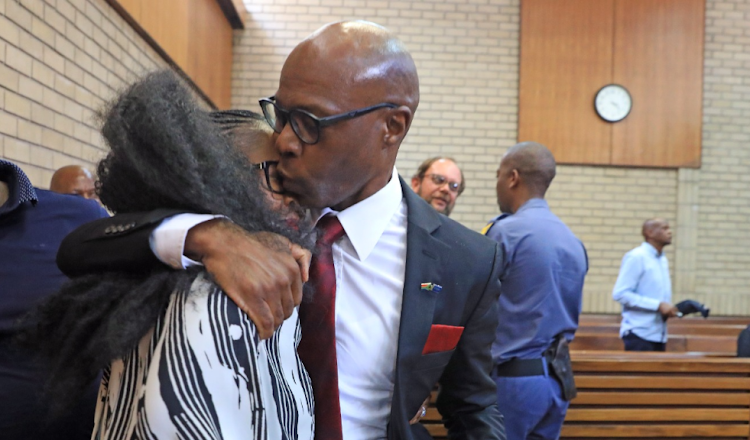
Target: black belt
525,367
520,367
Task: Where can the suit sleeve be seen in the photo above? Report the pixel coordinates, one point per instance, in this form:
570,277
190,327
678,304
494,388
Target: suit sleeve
119,243
468,395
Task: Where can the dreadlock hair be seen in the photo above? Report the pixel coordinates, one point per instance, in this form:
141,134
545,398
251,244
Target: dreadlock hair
165,152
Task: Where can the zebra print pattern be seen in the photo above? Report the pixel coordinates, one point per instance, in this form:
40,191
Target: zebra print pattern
202,373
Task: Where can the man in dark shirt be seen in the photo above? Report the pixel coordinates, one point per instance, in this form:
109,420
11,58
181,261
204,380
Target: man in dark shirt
540,300
33,222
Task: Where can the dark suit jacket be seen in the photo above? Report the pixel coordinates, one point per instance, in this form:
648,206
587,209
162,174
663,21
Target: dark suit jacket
439,251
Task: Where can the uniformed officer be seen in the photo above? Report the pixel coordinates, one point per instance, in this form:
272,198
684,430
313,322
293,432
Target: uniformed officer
542,285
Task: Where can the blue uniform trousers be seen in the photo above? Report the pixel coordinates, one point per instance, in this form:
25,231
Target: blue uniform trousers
533,406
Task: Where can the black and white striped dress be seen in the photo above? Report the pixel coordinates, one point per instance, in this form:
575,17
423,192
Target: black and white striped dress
201,373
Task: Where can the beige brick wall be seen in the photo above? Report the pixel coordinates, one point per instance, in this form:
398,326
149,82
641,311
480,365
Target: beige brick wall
59,61
722,260
467,55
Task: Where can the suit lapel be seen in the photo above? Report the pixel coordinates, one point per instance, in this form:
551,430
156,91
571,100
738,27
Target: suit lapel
423,265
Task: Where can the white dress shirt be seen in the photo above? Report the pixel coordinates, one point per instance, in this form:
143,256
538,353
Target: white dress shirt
370,264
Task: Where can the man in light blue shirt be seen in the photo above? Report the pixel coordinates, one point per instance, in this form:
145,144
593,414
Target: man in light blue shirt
540,299
645,291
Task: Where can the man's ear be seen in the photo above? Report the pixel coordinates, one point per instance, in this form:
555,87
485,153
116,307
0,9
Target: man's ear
415,182
514,179
397,125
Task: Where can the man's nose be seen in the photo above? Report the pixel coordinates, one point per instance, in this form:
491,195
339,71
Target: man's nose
287,141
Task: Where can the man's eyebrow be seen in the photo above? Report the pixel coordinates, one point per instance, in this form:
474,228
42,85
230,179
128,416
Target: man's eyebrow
308,107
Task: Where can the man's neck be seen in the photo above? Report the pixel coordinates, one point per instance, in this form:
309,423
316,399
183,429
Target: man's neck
523,200
4,193
658,246
371,188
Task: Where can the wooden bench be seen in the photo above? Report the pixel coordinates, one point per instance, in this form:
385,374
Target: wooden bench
651,396
587,319
659,395
727,345
676,326
695,390
717,335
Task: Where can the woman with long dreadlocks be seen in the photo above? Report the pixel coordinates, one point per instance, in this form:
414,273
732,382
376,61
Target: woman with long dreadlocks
188,362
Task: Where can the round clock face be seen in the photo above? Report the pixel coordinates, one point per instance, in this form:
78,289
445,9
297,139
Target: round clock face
613,103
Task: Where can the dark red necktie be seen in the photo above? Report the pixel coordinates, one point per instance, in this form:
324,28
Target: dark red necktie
317,349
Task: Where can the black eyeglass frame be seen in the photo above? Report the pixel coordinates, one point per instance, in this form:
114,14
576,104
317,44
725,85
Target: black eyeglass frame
319,122
266,167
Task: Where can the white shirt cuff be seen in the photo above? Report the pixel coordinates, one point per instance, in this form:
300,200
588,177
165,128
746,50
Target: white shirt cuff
167,241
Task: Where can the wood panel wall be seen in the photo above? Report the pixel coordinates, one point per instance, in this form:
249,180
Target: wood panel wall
658,46
564,54
209,61
572,48
196,35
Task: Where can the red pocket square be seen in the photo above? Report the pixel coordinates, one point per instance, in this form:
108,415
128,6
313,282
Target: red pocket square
442,338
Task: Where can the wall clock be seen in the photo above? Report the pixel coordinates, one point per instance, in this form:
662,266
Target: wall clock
613,103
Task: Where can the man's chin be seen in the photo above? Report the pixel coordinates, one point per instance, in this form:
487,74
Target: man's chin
441,208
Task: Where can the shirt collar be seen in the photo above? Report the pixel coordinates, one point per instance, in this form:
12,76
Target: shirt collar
20,189
651,249
532,204
366,221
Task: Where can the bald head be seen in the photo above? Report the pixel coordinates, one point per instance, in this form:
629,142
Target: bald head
370,61
525,172
75,180
535,164
362,76
656,231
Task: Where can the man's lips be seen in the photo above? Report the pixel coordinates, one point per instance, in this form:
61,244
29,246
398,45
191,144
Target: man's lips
288,184
440,199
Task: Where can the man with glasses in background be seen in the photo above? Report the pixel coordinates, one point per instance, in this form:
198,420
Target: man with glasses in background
439,181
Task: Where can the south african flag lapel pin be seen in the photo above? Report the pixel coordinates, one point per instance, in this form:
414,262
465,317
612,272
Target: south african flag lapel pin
432,287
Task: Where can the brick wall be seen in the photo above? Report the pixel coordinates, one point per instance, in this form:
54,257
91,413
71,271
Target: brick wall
467,55
722,260
59,61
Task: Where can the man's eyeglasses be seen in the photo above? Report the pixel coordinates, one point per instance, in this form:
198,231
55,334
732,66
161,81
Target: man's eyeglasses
273,182
306,125
440,180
